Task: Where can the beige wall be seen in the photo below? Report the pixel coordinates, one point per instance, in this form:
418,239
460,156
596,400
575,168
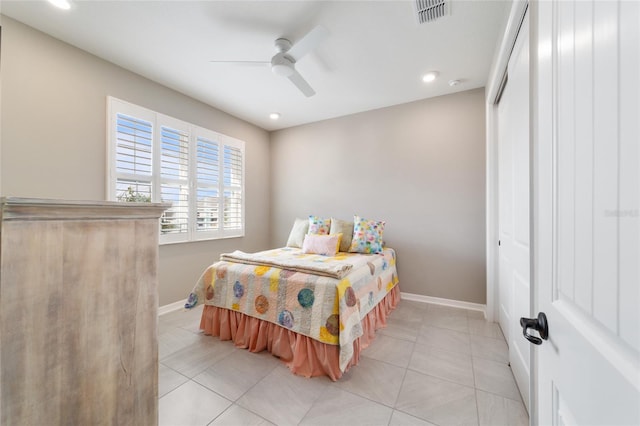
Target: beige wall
54,139
419,166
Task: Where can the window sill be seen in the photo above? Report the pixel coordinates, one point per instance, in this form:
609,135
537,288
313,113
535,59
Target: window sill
225,237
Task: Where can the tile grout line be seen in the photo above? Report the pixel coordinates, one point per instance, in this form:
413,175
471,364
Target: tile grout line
314,402
256,384
395,402
177,372
192,379
497,394
475,388
250,388
223,411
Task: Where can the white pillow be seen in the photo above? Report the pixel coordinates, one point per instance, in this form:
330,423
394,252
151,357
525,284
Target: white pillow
298,231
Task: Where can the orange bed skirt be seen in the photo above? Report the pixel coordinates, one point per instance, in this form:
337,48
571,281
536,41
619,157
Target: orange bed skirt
303,355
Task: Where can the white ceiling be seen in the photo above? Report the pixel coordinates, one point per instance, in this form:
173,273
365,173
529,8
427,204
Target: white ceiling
374,57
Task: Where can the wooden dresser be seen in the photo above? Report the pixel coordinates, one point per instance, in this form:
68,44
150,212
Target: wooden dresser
78,312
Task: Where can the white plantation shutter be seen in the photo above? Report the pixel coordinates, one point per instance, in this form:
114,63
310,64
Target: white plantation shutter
233,181
174,179
134,138
232,210
207,185
153,157
219,185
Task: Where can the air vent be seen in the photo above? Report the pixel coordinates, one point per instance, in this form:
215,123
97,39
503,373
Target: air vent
430,10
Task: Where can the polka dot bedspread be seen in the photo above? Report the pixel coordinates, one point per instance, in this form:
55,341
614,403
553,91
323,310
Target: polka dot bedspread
327,309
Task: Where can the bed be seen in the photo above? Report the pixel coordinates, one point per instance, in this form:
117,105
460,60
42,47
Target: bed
315,312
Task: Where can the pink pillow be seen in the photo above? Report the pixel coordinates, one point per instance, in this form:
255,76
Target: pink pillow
327,245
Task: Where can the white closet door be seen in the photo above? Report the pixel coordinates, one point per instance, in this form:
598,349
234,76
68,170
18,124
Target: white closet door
513,175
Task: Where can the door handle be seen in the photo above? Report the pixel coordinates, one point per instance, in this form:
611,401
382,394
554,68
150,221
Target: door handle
539,324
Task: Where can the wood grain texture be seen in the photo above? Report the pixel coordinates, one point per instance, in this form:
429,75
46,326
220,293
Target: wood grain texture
78,317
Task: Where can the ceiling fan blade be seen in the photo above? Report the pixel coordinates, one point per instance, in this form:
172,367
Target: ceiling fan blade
244,63
301,84
309,42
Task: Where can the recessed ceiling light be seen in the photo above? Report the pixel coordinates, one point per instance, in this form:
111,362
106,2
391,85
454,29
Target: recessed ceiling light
62,4
430,76
454,82
274,115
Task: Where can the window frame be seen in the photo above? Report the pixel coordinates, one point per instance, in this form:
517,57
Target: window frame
116,106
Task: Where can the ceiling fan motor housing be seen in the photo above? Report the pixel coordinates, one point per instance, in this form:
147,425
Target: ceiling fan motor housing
282,45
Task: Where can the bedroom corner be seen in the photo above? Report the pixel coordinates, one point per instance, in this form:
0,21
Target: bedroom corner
419,166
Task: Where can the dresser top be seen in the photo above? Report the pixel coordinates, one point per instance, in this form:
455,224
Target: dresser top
14,208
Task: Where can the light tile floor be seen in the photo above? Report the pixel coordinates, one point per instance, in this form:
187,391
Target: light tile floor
432,365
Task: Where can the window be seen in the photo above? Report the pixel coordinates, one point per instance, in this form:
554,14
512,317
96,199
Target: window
153,157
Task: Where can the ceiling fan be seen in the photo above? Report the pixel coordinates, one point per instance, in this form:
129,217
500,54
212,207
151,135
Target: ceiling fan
288,54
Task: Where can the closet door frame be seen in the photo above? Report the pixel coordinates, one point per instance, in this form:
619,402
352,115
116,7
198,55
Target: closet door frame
495,84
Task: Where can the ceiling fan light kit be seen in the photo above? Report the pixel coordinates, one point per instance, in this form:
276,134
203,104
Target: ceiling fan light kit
282,65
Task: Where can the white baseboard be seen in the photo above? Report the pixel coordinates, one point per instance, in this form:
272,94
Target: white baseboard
171,307
445,302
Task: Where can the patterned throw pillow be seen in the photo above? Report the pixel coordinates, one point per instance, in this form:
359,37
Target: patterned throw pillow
318,225
367,236
326,245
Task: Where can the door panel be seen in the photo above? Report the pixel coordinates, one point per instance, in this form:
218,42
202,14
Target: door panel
629,180
586,211
513,176
505,212
519,121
